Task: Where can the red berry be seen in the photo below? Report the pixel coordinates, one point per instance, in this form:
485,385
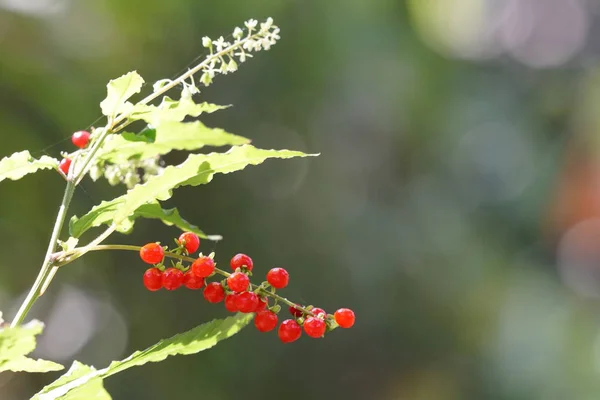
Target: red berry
238,282
262,304
318,311
152,253
295,312
64,165
153,279
278,278
214,293
230,303
314,327
81,139
191,281
190,240
203,267
265,321
246,302
172,278
241,260
344,317
289,331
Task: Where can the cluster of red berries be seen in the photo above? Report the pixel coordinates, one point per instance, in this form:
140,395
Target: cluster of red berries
79,139
236,291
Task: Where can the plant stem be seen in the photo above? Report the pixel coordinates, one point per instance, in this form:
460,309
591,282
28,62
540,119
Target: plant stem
48,263
64,258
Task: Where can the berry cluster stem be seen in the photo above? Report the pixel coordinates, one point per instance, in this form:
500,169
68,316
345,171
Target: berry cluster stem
63,258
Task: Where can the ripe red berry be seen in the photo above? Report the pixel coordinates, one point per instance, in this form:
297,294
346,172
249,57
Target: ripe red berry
318,311
214,293
265,321
241,260
246,302
64,165
295,312
192,281
152,253
81,139
344,317
203,267
314,327
278,278
230,303
172,278
289,331
262,304
238,282
190,240
153,279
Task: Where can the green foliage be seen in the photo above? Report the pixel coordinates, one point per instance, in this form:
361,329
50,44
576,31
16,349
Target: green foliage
92,390
16,343
118,91
170,135
171,110
22,163
198,339
196,170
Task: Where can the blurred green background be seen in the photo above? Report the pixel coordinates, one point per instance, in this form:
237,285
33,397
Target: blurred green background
455,205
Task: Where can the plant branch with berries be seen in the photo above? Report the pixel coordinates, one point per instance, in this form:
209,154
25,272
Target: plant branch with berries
134,159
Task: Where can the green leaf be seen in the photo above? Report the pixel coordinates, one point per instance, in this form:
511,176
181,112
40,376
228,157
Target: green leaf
20,164
16,343
169,136
171,110
118,91
26,364
201,338
197,169
92,391
102,214
170,217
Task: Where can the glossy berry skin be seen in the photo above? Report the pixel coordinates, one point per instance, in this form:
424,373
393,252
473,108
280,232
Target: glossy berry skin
289,331
262,305
64,165
246,302
295,312
265,321
203,267
191,281
314,327
81,139
278,278
214,292
344,317
230,303
172,278
191,241
238,282
318,311
152,253
241,260
153,279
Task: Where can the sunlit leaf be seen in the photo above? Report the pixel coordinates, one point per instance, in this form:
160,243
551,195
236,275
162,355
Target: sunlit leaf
171,110
22,163
16,343
91,391
197,169
169,136
102,214
118,92
201,338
